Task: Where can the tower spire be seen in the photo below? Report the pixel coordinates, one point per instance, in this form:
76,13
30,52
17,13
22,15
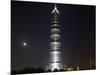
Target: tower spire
55,9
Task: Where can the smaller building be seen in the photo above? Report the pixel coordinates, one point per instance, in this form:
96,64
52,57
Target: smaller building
71,68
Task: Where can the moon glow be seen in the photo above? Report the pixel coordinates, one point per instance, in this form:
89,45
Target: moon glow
24,44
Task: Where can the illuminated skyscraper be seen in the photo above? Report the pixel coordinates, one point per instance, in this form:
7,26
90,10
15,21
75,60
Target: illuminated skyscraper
55,43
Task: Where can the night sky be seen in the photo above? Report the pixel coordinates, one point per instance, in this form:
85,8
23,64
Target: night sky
30,23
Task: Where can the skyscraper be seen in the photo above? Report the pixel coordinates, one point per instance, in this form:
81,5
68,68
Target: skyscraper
55,43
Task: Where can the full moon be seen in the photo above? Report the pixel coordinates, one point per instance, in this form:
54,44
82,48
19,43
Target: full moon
24,43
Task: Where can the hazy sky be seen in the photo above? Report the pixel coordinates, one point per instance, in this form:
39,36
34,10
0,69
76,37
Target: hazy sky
30,23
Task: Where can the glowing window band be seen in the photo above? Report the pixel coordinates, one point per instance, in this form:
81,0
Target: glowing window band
55,56
55,45
55,36
55,25
55,29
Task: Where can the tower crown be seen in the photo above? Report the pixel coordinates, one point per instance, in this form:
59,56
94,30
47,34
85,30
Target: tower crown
55,9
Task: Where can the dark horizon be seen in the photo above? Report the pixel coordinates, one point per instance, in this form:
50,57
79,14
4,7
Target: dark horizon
30,23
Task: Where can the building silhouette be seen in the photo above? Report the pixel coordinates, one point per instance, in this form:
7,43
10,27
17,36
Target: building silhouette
55,43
